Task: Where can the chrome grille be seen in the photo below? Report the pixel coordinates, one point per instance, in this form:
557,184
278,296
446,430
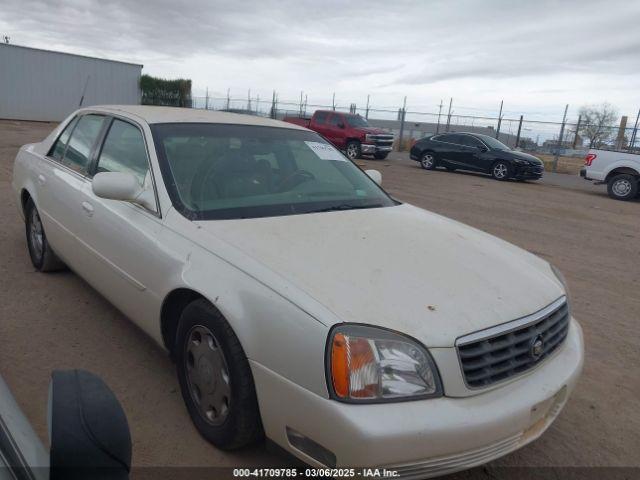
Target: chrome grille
381,139
522,344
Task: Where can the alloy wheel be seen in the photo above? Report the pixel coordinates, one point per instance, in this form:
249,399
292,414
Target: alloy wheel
500,170
427,161
352,151
207,375
36,234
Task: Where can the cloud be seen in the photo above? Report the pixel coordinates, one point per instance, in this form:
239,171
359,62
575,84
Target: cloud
538,53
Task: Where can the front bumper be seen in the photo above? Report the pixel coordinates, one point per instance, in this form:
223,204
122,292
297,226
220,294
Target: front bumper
372,149
529,171
426,437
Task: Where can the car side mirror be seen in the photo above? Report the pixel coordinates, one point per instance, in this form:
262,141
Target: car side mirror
121,186
88,430
375,175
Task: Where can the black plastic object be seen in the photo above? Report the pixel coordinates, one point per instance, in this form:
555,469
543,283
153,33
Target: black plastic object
89,431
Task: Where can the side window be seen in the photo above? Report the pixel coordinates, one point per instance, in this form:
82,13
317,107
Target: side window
469,141
457,139
321,117
124,151
58,148
82,140
447,137
335,120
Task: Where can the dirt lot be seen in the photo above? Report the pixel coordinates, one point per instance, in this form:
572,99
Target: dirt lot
57,321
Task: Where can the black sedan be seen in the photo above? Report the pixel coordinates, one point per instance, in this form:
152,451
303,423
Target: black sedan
478,153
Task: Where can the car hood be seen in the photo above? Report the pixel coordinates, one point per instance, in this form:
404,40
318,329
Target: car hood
372,130
524,156
397,267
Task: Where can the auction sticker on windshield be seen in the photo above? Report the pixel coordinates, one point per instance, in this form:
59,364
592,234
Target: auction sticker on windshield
325,151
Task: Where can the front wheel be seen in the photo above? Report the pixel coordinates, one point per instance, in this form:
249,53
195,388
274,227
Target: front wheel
353,150
215,378
501,171
42,256
622,187
428,161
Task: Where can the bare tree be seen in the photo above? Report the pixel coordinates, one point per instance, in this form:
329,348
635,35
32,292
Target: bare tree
597,121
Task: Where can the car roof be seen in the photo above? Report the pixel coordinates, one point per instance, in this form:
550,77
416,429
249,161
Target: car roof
155,114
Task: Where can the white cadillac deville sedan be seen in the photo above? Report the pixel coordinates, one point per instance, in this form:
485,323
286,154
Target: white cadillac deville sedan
297,299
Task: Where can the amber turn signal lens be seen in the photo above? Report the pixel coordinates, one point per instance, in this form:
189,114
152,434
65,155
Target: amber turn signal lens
340,365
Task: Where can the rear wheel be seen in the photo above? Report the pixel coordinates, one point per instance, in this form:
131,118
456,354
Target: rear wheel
501,171
42,256
353,149
215,378
622,187
428,161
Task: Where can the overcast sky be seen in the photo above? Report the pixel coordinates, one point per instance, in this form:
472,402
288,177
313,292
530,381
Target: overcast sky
537,55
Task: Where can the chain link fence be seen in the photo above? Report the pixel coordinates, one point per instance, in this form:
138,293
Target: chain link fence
562,145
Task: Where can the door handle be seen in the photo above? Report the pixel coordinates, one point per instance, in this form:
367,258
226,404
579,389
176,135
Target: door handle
88,208
42,179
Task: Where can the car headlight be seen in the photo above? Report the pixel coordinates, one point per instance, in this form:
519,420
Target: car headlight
369,138
368,364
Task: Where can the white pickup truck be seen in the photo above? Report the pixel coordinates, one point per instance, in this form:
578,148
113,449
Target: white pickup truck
619,170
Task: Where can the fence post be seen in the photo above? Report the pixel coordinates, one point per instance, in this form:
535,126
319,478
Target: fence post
449,115
206,102
402,115
519,130
632,142
366,112
333,102
439,113
499,119
228,98
555,157
575,137
273,105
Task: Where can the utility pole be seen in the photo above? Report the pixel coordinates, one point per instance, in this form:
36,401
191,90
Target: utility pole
555,157
402,116
575,137
439,113
449,114
499,119
519,130
366,112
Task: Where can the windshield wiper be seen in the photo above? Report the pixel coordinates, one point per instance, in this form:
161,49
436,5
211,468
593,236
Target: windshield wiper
345,206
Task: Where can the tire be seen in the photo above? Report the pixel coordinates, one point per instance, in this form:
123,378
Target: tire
42,255
215,378
501,171
428,160
622,187
353,149
381,156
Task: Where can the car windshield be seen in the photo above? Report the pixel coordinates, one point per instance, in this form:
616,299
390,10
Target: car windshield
220,171
492,143
356,121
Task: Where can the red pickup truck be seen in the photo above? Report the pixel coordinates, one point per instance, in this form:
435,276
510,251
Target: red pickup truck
348,132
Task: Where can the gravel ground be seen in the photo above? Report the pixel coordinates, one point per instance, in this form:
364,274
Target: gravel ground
58,321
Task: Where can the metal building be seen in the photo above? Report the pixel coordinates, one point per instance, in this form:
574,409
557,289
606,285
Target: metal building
46,85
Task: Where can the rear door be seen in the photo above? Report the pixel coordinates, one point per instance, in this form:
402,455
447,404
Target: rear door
62,183
449,150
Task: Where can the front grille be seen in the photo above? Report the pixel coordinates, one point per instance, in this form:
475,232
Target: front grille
497,356
381,140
